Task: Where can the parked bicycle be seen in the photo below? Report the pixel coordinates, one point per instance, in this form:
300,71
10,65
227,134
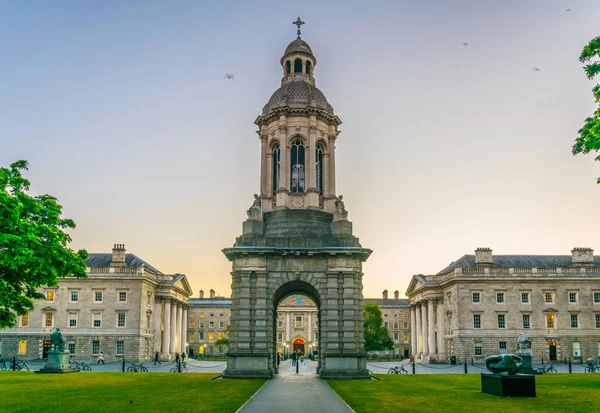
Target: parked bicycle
183,367
134,368
5,365
592,367
544,369
81,366
397,370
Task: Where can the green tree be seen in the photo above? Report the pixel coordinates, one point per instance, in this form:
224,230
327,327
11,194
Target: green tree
225,340
589,135
33,245
377,337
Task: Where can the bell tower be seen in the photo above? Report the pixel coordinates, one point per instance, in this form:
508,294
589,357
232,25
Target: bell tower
297,237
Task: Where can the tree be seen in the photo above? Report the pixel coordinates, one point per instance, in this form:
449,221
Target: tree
33,245
377,336
225,340
589,135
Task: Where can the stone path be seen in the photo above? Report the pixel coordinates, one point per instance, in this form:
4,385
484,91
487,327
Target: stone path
296,393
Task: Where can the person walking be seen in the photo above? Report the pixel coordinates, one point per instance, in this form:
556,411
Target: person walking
278,359
183,356
293,359
101,358
176,357
156,360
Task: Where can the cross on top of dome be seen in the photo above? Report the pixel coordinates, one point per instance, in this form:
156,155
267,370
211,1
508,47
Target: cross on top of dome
298,23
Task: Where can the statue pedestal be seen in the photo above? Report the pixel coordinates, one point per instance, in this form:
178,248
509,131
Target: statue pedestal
58,362
503,385
526,369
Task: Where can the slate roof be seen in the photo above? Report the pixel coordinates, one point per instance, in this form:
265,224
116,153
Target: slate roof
518,261
104,260
210,302
297,95
382,302
298,45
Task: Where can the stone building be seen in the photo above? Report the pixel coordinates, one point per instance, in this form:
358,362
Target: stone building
125,308
478,305
208,319
395,313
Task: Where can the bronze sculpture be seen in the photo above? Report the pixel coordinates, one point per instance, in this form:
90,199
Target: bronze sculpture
509,363
57,341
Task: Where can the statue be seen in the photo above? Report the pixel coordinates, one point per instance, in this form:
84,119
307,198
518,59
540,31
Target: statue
509,363
255,211
340,210
523,344
57,341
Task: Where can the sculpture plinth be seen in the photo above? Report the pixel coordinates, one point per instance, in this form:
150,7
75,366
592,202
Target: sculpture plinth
503,381
58,362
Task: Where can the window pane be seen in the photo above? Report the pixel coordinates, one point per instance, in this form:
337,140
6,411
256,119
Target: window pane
95,347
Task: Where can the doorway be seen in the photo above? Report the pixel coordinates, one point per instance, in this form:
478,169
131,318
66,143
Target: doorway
552,350
299,345
45,348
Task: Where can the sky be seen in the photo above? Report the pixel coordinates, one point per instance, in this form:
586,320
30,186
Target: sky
124,114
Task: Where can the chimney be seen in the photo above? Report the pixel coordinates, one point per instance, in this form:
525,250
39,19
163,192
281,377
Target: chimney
385,294
201,293
582,255
118,255
396,294
483,256
212,293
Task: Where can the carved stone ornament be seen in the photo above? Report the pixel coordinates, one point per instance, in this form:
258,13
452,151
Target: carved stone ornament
297,201
255,211
340,210
283,128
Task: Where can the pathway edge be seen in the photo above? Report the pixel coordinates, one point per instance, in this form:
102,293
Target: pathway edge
255,393
343,401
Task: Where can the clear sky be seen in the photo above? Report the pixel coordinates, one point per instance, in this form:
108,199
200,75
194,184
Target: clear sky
124,114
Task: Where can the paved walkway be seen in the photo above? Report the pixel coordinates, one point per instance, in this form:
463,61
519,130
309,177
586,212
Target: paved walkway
296,393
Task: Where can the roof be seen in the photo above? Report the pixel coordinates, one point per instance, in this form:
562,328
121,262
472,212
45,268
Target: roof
298,95
298,46
382,302
210,302
518,261
96,259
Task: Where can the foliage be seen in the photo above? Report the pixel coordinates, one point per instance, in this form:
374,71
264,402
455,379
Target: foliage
33,245
589,135
123,392
225,340
377,336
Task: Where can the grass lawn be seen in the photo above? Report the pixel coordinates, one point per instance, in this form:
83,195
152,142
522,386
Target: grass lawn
122,392
462,393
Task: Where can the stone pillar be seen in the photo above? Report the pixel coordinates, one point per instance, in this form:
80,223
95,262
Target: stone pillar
269,187
424,330
179,329
166,343
263,164
185,334
413,330
419,340
431,328
440,331
287,326
173,327
156,313
311,157
309,326
260,316
332,165
283,158
326,190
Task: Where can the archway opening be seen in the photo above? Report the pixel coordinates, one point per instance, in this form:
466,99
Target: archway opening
298,65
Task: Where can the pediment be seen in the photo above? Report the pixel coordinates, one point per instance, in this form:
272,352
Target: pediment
551,310
415,284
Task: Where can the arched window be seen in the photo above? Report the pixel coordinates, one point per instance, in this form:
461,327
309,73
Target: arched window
297,167
307,67
319,159
276,158
288,67
298,66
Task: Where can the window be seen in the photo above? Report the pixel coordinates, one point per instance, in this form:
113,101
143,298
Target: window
220,335
386,315
120,347
192,324
201,335
500,298
201,325
49,319
72,319
597,320
395,326
74,296
385,324
220,349
97,320
476,320
221,315
396,315
550,320
298,321
191,336
526,321
316,335
501,320
502,347
211,336
122,296
192,315
22,346
524,298
95,347
572,298
50,296
405,337
71,347
211,324
221,324
211,315
549,297
298,65
25,320
478,349
319,160
276,166
280,337
121,320
288,67
576,349
297,181
98,296
279,323
307,67
596,297
396,336
574,321
476,298
405,315
280,314
405,325
201,315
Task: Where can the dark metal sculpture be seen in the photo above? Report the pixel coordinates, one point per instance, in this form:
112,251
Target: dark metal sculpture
504,363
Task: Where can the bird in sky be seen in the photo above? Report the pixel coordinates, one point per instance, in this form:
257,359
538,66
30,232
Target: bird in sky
537,69
228,76
568,10
465,44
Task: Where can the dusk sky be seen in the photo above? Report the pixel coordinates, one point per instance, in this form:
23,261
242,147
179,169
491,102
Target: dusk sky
124,114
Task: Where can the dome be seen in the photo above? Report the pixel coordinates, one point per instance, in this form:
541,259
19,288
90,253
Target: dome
298,95
298,46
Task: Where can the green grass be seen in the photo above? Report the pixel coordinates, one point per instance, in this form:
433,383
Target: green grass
462,393
122,392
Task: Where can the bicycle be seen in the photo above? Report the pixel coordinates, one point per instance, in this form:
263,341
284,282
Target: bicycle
397,370
5,365
183,367
81,366
544,369
592,367
19,365
134,368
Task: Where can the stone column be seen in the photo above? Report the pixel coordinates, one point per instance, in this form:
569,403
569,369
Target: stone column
283,158
310,156
431,329
332,165
260,317
326,190
181,337
413,330
166,344
309,326
185,327
287,326
440,331
173,327
424,330
419,340
263,164
269,188
156,314
178,329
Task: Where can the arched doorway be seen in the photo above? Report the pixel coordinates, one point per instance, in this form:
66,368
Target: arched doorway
552,350
298,346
